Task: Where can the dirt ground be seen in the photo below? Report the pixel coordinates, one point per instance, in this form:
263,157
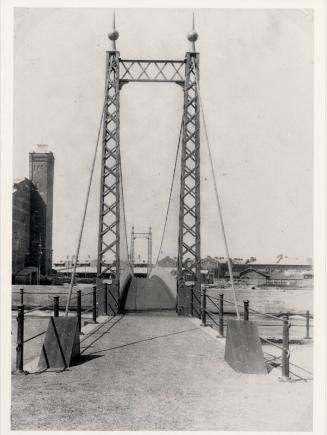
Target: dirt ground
158,372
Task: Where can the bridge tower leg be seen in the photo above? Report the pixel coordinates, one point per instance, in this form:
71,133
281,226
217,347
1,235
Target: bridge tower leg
189,256
110,184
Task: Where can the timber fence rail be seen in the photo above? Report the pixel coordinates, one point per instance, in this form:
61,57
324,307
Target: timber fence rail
217,309
57,302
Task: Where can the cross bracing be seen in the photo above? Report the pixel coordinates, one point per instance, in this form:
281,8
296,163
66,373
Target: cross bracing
189,217
109,214
183,72
152,71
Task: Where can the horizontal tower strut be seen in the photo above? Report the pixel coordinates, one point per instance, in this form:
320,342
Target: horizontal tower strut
141,235
171,71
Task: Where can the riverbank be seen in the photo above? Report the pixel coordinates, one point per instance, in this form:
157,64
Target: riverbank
272,300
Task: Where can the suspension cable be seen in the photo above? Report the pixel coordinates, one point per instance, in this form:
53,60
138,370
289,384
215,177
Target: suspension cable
171,191
216,191
87,198
124,214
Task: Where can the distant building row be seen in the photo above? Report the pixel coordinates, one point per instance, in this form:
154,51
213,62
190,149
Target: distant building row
298,275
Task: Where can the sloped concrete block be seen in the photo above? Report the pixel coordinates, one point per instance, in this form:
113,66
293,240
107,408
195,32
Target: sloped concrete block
243,350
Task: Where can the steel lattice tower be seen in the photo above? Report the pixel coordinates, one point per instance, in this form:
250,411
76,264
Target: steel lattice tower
109,215
189,256
182,72
147,236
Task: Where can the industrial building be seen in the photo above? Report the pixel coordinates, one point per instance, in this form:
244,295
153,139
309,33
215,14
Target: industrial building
32,220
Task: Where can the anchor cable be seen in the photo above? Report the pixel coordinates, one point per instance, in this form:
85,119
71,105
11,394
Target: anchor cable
124,213
216,192
87,197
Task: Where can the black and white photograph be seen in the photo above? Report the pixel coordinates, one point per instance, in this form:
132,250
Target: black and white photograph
162,205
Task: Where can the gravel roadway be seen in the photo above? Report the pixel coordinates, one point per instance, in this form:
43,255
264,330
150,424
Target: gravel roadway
157,371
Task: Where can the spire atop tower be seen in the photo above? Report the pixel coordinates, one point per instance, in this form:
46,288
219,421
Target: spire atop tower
114,35
193,36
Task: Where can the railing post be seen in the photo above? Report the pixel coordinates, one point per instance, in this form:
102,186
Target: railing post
286,346
192,300
21,296
94,307
105,289
307,327
20,340
221,315
246,310
79,309
204,306
56,306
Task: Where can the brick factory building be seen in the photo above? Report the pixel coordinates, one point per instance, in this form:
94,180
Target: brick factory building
32,220
21,225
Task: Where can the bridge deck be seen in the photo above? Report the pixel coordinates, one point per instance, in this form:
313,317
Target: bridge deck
149,294
156,371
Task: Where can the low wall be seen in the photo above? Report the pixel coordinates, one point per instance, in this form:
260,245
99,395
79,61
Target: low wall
40,295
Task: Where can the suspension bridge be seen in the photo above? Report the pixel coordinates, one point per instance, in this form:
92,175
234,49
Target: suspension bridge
113,257
166,307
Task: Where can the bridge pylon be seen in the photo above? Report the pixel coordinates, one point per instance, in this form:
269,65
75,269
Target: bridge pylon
144,235
183,72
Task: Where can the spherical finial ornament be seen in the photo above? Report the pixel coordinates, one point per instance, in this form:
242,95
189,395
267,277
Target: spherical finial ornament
113,36
193,36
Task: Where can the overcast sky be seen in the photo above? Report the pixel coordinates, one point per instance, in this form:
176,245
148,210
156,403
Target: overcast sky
257,89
